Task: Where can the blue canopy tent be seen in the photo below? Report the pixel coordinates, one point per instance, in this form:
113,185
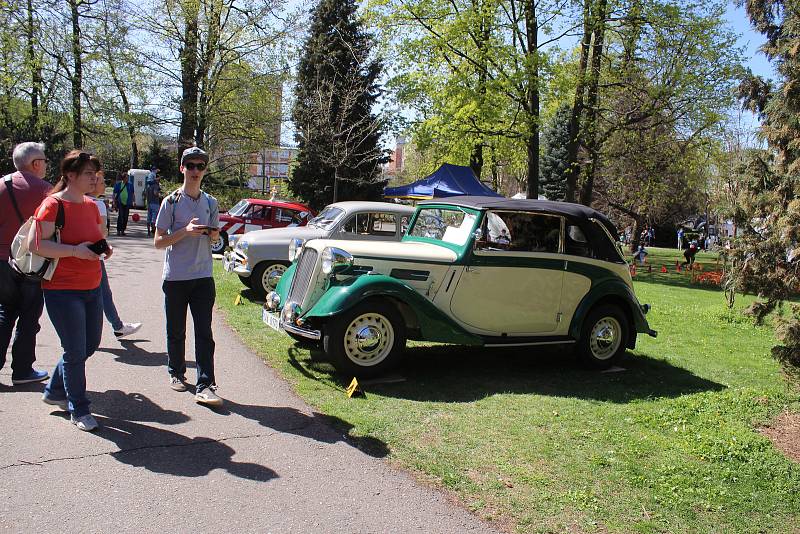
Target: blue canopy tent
447,181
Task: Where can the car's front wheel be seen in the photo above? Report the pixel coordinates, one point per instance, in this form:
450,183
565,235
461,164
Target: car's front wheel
247,281
604,337
266,276
366,340
220,246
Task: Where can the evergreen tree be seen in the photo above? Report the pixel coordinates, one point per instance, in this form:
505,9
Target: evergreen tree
766,257
336,131
554,162
162,159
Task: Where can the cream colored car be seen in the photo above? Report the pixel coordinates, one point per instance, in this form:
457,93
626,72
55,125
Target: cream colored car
473,271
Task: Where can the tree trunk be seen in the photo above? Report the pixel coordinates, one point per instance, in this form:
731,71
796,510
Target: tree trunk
189,80
126,107
335,184
476,159
204,68
592,144
36,73
532,98
77,76
577,108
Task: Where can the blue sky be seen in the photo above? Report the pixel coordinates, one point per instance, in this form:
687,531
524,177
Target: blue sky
750,40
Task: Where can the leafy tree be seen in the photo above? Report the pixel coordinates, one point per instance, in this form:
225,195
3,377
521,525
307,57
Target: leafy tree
554,164
336,130
162,159
766,257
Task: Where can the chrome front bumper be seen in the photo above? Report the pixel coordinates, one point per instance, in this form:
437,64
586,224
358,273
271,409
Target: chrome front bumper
234,262
273,320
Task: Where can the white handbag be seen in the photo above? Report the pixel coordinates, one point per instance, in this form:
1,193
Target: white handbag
28,263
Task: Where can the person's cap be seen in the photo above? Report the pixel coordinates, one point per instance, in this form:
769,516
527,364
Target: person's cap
194,152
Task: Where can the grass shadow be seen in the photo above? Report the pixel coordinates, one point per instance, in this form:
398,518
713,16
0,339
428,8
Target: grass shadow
448,373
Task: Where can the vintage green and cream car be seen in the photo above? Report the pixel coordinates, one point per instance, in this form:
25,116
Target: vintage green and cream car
483,271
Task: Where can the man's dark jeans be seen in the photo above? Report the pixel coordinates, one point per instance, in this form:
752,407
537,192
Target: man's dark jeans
25,313
198,296
122,218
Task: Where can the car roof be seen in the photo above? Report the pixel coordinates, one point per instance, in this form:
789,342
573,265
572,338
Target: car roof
279,203
353,205
576,211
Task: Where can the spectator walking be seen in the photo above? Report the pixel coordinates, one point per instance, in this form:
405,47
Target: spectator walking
109,309
152,194
73,297
20,195
186,225
123,200
641,254
680,238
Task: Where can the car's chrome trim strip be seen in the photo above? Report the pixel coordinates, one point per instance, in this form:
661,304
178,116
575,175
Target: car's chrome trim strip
316,335
529,343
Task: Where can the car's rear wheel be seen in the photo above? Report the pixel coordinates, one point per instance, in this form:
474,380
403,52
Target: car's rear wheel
266,276
603,337
366,340
220,246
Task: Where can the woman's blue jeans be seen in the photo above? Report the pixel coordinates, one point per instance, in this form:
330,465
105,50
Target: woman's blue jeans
108,301
77,316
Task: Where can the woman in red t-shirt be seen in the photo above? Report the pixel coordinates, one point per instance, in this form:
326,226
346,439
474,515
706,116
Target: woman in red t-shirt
73,299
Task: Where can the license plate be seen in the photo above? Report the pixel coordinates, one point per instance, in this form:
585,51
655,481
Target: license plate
272,320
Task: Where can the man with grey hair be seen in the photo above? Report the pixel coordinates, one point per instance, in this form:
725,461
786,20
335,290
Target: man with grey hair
20,195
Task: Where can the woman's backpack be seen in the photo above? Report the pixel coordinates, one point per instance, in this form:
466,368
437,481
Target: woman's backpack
22,259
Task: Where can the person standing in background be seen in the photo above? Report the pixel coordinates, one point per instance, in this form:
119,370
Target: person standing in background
152,194
109,309
123,200
29,189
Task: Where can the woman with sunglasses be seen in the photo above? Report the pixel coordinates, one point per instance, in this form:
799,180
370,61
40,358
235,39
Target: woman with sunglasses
72,297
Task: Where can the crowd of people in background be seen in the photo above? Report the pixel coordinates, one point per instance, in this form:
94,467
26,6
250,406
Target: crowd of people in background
78,294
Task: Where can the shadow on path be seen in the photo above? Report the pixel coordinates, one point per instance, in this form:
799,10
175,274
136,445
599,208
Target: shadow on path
159,450
132,354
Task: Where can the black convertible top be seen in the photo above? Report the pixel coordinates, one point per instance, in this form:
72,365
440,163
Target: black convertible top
577,213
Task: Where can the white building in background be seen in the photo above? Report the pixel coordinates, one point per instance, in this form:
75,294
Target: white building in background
270,169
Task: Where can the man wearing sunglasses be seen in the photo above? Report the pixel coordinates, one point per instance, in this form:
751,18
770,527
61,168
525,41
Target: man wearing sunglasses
186,225
28,188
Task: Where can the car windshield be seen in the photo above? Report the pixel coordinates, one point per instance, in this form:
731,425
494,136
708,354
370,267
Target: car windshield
326,217
238,209
448,225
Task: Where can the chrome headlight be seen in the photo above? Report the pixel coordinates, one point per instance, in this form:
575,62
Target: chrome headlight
242,245
273,300
290,312
336,260
295,246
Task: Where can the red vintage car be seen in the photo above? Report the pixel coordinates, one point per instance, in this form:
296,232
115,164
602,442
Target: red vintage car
256,214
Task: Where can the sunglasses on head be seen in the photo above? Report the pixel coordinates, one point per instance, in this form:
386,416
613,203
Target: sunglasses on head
82,158
192,166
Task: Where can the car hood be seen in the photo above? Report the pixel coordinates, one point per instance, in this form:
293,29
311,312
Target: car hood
283,235
390,250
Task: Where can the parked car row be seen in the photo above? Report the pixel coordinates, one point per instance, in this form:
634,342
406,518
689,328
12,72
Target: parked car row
362,278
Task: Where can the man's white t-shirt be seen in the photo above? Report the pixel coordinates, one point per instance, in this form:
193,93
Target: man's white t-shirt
101,205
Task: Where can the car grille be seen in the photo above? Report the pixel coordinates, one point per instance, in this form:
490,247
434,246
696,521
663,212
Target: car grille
302,275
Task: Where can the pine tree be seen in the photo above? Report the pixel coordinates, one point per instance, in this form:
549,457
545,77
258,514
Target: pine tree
336,130
766,257
554,162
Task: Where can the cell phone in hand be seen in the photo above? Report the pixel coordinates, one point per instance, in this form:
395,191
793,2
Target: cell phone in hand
99,247
206,228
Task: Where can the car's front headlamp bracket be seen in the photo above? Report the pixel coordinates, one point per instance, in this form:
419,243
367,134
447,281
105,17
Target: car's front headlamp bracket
336,260
295,247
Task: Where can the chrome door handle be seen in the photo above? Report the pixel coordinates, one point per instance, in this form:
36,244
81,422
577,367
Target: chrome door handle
471,269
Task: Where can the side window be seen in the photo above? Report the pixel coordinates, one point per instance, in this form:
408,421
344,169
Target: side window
404,220
255,212
287,216
576,242
376,224
521,232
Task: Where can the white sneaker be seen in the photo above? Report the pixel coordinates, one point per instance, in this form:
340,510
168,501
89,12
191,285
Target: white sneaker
208,397
87,422
128,329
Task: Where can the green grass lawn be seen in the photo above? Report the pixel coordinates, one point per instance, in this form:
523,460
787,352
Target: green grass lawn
533,442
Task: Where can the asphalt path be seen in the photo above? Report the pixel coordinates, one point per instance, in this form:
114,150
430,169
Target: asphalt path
266,462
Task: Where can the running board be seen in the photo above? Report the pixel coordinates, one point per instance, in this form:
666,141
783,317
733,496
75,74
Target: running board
496,341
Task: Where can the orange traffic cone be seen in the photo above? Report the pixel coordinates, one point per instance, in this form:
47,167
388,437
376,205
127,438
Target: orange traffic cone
677,267
663,268
649,268
633,269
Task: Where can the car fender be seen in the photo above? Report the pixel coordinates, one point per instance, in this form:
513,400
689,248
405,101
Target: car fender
616,291
285,283
434,324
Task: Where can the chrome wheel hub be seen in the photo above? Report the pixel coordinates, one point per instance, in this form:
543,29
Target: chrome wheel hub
605,338
271,277
368,339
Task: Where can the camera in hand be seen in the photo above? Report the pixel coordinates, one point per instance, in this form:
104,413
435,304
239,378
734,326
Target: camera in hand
99,247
